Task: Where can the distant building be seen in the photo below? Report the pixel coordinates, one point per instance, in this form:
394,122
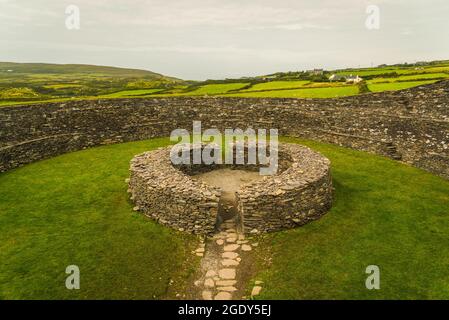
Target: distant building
353,79
382,65
349,79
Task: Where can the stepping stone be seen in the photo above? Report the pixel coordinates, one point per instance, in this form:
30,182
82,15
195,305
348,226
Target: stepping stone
199,254
226,283
231,240
230,255
255,244
246,247
232,235
228,289
223,296
207,295
210,273
209,283
242,241
231,247
229,262
220,242
217,278
200,250
256,290
227,274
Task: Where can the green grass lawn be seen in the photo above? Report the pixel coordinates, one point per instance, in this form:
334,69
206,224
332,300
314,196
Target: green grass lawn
273,85
384,213
330,92
212,89
74,209
391,86
130,93
416,77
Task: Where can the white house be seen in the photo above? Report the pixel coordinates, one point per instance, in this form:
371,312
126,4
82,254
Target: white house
353,79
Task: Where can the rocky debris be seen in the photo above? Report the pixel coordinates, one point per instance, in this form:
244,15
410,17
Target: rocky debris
209,283
227,274
229,262
210,274
231,247
220,268
228,289
230,255
206,295
226,282
223,296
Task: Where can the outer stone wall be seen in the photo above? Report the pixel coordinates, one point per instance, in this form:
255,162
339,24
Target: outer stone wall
299,192
409,125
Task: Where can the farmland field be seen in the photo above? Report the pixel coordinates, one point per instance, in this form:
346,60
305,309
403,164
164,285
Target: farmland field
330,92
378,87
28,83
130,93
211,89
273,85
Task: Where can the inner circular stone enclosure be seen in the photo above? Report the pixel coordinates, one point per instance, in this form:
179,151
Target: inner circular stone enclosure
197,198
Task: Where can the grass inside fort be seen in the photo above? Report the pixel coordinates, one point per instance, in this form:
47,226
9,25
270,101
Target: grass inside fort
74,209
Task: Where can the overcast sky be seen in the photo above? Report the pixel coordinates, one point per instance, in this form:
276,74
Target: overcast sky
200,39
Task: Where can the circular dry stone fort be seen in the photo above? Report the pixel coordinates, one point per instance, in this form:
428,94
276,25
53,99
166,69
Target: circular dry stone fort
411,126
197,197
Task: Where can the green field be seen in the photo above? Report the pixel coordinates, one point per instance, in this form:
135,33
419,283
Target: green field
384,213
331,92
74,209
214,89
24,83
378,87
131,93
274,85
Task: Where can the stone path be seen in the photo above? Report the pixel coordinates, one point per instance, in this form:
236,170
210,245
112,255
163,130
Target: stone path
223,275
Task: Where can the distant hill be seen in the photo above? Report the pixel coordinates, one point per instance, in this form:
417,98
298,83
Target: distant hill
42,81
50,68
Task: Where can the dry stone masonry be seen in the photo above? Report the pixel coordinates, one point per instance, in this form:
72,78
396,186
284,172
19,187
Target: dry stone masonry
171,197
409,125
301,191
